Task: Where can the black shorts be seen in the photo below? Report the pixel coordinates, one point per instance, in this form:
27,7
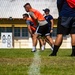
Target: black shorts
66,25
43,30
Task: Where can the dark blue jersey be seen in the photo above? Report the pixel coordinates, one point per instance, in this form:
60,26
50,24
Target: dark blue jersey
64,9
48,18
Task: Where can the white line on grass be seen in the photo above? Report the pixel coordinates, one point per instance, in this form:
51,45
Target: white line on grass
34,68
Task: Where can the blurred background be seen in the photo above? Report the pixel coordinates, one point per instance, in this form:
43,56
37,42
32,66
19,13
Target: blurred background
11,21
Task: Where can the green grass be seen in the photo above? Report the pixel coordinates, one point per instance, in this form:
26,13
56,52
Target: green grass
15,53
17,62
62,64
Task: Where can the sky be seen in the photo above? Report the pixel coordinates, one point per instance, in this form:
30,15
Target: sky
14,8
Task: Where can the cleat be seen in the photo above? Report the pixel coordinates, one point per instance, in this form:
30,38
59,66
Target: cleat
33,51
52,54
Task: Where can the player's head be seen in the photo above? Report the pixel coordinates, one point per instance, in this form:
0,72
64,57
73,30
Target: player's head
25,16
46,11
27,7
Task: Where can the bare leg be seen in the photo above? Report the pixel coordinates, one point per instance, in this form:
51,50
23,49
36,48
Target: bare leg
49,40
34,42
41,43
59,39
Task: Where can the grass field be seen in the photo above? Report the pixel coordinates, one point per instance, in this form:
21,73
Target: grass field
24,62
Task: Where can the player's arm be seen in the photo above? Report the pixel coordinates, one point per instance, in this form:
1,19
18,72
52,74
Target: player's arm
29,28
52,24
34,17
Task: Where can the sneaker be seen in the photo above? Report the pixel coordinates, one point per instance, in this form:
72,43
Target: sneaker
33,51
72,54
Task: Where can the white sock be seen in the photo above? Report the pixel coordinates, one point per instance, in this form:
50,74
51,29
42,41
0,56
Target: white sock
43,47
34,48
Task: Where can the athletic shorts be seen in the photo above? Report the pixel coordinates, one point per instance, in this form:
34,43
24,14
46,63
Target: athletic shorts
43,30
66,25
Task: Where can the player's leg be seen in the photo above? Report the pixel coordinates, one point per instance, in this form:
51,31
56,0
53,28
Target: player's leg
61,30
49,40
73,44
57,44
64,27
44,42
33,49
41,43
44,30
36,35
72,33
34,42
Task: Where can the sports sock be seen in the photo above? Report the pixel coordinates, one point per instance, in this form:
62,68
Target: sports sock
34,48
43,47
73,51
55,49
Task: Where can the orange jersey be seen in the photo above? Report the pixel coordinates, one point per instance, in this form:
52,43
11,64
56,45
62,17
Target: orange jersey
39,16
32,24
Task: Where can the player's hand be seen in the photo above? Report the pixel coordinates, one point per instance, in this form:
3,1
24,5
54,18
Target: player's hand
32,35
51,31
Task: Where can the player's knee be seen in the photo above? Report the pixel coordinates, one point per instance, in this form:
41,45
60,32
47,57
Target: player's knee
73,42
35,36
48,37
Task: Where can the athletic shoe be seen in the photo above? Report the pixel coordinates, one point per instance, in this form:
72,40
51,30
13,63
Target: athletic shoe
33,51
72,54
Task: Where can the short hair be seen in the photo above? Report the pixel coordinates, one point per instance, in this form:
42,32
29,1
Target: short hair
26,15
46,10
27,4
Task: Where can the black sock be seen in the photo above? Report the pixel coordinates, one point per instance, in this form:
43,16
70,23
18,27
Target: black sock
73,50
55,50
